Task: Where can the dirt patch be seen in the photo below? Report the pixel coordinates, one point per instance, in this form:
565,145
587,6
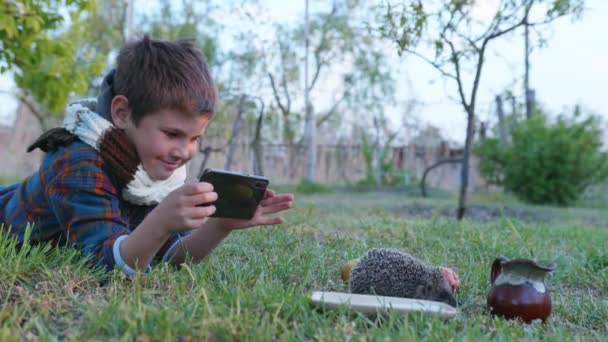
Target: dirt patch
476,213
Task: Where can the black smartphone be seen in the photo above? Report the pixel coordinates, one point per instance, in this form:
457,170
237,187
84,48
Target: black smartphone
238,194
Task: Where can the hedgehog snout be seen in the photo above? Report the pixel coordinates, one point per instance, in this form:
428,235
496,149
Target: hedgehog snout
430,291
447,297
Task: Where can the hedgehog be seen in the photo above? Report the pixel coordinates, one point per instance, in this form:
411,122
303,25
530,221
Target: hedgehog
390,272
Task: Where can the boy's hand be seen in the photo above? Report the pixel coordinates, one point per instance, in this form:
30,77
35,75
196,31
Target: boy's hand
271,204
184,208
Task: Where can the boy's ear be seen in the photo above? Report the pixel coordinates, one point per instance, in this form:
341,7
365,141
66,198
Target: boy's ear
121,113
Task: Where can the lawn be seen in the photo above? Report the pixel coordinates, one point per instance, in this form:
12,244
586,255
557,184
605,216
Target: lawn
256,285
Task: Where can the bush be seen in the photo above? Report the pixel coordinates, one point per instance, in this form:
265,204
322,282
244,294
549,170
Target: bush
307,187
547,163
389,175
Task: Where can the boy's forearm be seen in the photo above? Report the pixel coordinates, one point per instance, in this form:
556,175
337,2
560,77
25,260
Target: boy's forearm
200,242
139,248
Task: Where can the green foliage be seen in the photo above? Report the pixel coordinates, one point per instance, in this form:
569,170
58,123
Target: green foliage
547,163
9,180
493,160
189,23
307,187
44,49
388,171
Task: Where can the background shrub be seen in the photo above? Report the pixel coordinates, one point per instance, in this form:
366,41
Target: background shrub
547,162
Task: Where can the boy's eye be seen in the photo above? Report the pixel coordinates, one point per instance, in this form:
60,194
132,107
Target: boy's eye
171,134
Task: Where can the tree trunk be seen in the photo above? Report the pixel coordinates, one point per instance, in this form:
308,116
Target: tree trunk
464,182
527,91
206,152
502,127
310,144
236,128
258,161
530,105
309,134
376,154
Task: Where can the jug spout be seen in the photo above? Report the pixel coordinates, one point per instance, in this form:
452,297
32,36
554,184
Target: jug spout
497,266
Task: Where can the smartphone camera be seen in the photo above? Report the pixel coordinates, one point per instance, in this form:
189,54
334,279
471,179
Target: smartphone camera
259,185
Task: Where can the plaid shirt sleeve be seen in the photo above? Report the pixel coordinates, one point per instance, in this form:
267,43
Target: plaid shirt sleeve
87,205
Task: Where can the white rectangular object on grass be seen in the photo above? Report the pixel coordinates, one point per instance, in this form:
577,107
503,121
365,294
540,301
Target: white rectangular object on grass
371,304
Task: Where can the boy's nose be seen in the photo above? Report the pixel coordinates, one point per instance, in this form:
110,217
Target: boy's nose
181,152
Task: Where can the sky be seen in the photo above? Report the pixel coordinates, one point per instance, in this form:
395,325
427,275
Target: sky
572,69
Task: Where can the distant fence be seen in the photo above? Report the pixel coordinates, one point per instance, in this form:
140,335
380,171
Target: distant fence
286,164
283,163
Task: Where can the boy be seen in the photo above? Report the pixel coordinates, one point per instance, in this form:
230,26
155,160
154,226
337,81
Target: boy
112,181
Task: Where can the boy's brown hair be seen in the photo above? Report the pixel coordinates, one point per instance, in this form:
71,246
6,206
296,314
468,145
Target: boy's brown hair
155,75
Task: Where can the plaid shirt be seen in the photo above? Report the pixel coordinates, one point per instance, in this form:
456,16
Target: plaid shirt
73,198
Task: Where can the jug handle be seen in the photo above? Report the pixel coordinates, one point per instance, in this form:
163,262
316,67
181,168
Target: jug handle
497,268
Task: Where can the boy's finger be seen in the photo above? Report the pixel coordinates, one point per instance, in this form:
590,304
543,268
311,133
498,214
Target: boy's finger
195,223
200,212
199,187
277,199
203,198
268,193
276,208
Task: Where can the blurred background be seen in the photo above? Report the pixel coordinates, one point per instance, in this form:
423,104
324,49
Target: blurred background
444,97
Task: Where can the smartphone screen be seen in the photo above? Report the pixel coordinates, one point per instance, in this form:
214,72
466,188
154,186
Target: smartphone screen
239,194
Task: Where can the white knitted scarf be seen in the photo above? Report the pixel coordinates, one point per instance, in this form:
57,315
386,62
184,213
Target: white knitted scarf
90,127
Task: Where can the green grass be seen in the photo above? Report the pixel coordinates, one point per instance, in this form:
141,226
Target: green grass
256,285
9,180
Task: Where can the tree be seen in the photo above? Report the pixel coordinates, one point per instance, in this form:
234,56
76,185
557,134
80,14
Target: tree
342,49
460,43
43,52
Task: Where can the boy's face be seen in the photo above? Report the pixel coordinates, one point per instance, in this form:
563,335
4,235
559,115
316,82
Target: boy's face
164,140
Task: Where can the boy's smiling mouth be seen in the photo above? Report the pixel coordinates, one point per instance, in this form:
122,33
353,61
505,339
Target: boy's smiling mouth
171,165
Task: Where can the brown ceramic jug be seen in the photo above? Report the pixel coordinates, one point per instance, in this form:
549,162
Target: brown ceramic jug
518,289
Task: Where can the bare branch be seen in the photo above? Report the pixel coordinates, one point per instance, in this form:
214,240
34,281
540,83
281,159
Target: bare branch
545,22
471,42
285,90
431,62
318,49
498,20
523,21
458,77
285,108
330,112
503,32
275,92
451,26
428,169
318,63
